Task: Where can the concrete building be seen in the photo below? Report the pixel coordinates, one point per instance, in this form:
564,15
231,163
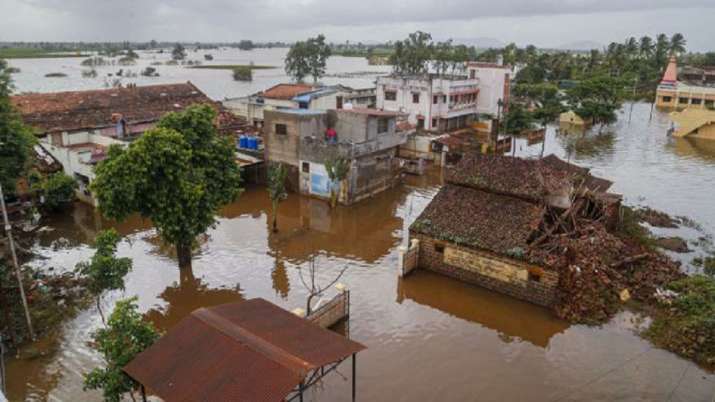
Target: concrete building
494,86
686,88
298,96
480,225
695,123
432,102
76,128
367,138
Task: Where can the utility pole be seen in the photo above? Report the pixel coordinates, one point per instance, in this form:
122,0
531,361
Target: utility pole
8,231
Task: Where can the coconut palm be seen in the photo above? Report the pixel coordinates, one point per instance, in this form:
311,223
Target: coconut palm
646,47
677,43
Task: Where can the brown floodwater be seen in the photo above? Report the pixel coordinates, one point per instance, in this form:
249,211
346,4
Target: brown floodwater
429,338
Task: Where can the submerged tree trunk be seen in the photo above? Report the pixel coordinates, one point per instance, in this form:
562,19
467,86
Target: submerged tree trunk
275,217
99,308
183,253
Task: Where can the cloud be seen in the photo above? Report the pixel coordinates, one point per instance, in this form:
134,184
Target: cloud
229,20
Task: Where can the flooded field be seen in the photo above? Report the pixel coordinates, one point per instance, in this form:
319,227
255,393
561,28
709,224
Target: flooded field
429,337
217,84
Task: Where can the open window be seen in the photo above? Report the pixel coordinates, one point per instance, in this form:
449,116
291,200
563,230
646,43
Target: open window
281,129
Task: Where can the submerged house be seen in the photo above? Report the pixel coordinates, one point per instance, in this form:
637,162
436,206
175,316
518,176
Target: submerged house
481,224
77,127
305,140
694,123
298,96
686,87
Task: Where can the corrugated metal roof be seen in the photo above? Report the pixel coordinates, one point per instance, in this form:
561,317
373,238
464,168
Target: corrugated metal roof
247,351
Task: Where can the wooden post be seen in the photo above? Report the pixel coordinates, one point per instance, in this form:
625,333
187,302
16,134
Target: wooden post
8,230
354,364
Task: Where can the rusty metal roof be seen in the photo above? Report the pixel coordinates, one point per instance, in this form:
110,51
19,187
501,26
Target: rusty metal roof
247,351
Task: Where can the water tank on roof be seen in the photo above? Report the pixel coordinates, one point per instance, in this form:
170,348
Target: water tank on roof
252,143
243,142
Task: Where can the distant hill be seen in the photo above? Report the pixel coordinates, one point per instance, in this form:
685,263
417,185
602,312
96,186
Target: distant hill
481,42
581,45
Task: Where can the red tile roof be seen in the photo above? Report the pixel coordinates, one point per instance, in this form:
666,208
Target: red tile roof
246,351
84,110
468,216
286,91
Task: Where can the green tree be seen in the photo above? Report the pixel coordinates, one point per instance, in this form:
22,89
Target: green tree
646,47
517,119
597,99
277,174
412,55
677,44
307,58
179,52
246,45
337,169
105,271
125,336
58,190
16,139
178,175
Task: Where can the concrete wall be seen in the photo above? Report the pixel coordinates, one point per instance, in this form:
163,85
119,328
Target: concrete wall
693,97
498,273
284,148
404,102
493,85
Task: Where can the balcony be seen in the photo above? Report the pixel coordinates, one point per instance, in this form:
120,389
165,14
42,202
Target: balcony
317,149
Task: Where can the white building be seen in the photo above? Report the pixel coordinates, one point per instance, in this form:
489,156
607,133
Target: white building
298,96
494,85
432,102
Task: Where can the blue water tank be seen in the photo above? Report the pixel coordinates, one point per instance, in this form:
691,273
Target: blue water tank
252,143
243,142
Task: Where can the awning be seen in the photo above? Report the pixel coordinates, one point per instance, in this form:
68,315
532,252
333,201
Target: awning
247,351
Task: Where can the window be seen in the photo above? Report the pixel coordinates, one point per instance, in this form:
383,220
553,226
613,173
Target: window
435,99
438,247
338,102
683,100
472,74
709,103
305,167
696,101
434,123
444,98
281,129
415,98
667,99
534,277
390,95
382,125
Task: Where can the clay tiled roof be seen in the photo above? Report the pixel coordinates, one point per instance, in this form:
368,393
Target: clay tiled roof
286,91
83,110
468,217
529,179
247,351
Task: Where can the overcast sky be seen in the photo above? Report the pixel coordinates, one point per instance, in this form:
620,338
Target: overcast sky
546,23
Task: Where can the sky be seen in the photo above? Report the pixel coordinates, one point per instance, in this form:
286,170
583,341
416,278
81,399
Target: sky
544,23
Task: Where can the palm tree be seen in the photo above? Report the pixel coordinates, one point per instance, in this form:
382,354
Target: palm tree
631,47
662,45
677,44
646,47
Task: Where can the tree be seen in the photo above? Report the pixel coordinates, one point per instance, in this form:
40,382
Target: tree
646,47
105,271
178,175
16,139
246,45
58,190
337,169
677,44
517,119
597,99
314,289
307,58
125,336
277,173
179,52
412,55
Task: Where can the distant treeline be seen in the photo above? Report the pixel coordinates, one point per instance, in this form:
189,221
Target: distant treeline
126,45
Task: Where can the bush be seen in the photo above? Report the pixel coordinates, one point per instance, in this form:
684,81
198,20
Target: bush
149,72
243,73
55,75
687,325
127,61
91,73
58,189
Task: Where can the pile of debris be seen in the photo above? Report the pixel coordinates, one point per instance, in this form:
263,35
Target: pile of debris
600,265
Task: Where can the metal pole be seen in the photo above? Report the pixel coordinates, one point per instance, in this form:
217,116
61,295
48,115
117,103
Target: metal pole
354,363
8,230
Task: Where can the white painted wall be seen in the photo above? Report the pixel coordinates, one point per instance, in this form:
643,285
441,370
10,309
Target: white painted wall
491,87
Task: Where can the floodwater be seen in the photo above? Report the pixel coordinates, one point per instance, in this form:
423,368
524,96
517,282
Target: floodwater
217,84
429,338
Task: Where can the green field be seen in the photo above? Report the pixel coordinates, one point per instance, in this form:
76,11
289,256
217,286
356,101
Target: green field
32,53
233,67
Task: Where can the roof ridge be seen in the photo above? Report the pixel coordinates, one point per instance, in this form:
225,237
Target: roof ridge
253,341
